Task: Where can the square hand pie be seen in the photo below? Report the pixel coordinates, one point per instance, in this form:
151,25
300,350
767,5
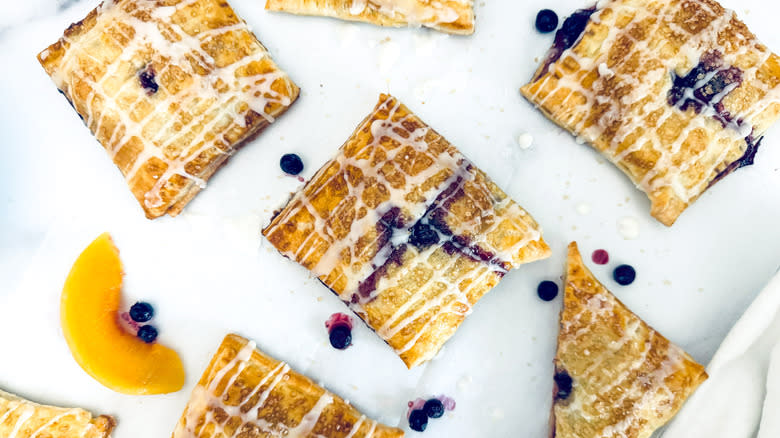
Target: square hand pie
451,16
170,89
20,418
245,394
676,93
406,231
614,375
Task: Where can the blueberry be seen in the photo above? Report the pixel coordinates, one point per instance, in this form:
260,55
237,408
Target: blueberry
624,275
147,333
547,290
564,383
546,21
418,421
434,408
291,164
141,312
340,337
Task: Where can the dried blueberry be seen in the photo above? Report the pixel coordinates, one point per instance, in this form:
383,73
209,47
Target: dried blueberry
291,163
141,312
147,333
418,420
546,21
434,408
340,337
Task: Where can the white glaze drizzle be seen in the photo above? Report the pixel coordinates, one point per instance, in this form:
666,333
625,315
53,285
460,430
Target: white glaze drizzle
225,110
666,173
454,296
415,12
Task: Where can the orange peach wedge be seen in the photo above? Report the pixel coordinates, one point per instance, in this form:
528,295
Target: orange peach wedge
89,312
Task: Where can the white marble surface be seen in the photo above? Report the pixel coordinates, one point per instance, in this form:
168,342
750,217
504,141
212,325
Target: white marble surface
208,271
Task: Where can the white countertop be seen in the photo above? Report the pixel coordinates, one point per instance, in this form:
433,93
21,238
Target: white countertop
208,272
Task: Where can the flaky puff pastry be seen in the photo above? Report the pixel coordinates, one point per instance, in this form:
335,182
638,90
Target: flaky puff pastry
20,418
614,375
245,394
170,88
406,231
451,16
676,93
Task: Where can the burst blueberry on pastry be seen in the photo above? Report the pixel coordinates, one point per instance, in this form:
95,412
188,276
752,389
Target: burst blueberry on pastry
676,93
20,418
244,393
451,16
406,231
170,89
614,375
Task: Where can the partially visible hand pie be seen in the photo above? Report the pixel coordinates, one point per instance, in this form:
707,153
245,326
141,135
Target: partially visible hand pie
170,89
406,231
614,375
20,418
676,93
244,393
452,16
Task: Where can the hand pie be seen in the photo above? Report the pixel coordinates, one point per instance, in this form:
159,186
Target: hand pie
614,375
451,16
244,393
676,93
406,231
20,418
169,89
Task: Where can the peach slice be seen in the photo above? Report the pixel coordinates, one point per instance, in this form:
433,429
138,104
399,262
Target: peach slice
89,312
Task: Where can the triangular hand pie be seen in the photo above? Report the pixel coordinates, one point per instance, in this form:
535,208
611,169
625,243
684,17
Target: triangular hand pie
244,393
170,89
452,16
614,375
406,231
676,93
20,418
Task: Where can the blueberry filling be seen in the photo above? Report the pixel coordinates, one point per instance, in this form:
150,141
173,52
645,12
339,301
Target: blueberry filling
705,86
571,31
423,235
148,83
563,385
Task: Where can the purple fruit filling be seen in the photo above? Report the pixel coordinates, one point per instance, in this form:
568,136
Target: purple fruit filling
566,37
563,385
147,79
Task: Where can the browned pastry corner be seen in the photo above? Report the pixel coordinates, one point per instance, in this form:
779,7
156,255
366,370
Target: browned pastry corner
451,16
406,231
170,89
676,93
614,375
245,394
20,418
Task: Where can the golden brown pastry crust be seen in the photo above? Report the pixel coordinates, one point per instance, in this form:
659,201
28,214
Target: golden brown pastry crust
244,393
20,418
628,380
451,16
170,89
361,224
627,88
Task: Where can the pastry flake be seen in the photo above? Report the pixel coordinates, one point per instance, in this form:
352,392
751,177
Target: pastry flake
244,393
20,418
170,89
451,16
406,231
676,93
614,375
